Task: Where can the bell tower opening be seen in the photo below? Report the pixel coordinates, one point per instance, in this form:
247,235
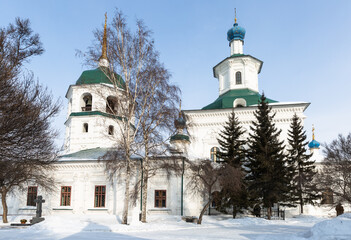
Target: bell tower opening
111,105
87,102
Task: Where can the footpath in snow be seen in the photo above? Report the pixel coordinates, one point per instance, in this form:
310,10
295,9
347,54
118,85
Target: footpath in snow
69,227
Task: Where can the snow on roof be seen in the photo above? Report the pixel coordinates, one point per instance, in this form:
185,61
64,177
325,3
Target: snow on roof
91,154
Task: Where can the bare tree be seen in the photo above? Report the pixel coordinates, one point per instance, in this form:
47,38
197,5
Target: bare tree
206,177
26,139
156,115
336,167
145,98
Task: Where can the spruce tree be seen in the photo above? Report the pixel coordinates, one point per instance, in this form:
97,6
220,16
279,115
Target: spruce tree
231,144
232,154
301,168
266,163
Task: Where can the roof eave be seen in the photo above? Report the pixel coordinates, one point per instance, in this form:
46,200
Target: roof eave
244,55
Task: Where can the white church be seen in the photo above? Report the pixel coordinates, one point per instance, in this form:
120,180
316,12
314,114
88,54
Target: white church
82,184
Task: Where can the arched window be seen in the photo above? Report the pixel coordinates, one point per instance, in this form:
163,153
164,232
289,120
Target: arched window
87,102
239,102
238,78
70,105
85,127
110,130
111,105
213,154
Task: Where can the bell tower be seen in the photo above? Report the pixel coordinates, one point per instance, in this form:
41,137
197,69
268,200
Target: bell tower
93,112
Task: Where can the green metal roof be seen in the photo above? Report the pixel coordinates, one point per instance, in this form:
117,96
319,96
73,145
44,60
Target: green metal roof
180,137
100,75
93,153
89,154
226,100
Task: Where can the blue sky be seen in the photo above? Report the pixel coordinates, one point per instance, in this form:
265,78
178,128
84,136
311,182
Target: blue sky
305,47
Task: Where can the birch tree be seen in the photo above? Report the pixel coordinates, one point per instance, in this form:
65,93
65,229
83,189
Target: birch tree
146,101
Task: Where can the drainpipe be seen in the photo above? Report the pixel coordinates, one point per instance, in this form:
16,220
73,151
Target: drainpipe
181,193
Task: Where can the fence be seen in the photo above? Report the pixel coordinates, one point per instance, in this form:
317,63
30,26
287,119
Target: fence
276,214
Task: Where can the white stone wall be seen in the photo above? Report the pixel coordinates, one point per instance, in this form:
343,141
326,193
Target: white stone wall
83,176
204,126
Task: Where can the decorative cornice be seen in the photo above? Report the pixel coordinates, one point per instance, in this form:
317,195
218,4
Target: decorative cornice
79,165
243,111
246,122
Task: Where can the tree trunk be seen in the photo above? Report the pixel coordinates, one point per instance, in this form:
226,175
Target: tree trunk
144,199
234,211
269,213
300,193
203,211
126,197
4,205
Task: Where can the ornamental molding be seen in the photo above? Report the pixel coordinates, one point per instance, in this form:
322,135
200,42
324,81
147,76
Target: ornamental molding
243,112
245,61
246,122
78,165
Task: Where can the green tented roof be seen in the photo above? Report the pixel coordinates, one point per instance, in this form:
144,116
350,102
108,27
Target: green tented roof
100,75
226,100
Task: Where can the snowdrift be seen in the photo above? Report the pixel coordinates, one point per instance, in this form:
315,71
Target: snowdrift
336,228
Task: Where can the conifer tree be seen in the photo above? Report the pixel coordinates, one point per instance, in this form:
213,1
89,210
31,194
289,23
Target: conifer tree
231,146
266,163
301,168
232,153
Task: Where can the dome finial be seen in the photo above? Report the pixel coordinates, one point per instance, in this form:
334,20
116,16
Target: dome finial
103,61
312,131
104,41
236,32
235,14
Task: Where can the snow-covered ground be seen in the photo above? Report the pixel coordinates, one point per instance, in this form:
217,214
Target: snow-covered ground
172,227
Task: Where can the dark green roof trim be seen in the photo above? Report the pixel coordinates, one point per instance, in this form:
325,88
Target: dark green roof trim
238,56
100,75
226,100
92,113
180,137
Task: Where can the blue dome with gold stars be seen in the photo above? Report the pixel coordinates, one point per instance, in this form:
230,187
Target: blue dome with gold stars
236,33
314,144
